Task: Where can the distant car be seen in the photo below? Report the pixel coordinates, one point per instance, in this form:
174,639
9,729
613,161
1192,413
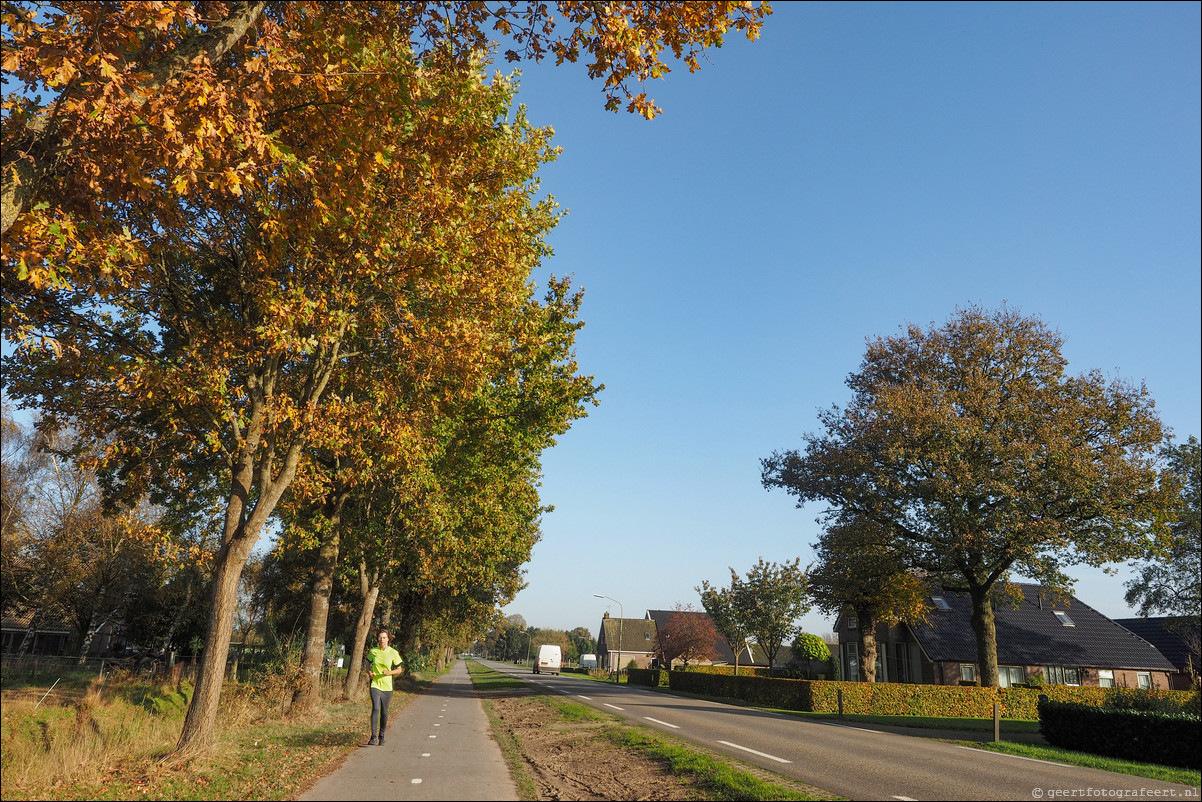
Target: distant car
549,659
588,661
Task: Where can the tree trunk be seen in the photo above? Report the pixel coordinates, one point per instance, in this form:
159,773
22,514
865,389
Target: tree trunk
370,590
31,633
309,692
867,646
90,635
199,723
983,626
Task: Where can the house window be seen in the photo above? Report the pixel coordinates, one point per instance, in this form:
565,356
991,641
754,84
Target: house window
1063,618
968,672
1061,675
853,662
852,622
1145,680
1010,675
941,603
1105,678
901,664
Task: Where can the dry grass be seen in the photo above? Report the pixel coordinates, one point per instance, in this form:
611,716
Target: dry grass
110,741
54,744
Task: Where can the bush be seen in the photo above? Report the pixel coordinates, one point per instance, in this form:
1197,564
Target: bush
1149,736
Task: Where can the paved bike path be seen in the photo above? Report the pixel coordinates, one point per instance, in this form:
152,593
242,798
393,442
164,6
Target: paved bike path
438,747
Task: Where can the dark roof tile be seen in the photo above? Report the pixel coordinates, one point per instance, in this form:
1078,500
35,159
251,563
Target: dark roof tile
1031,634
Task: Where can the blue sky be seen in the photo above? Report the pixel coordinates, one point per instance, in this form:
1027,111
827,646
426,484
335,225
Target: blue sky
859,167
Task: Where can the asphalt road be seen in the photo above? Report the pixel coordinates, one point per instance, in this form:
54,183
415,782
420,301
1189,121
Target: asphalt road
853,761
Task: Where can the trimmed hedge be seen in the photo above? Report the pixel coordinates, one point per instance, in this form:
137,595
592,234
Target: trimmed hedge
729,671
902,699
1150,736
648,677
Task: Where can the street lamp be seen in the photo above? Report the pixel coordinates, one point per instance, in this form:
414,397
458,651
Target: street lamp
621,615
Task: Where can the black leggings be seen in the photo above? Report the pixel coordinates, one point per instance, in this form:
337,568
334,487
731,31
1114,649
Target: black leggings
379,710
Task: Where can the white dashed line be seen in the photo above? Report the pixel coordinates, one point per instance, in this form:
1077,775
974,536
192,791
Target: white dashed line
754,752
582,696
657,721
615,707
416,781
425,754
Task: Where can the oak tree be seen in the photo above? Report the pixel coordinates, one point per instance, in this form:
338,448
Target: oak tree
859,569
980,455
1168,578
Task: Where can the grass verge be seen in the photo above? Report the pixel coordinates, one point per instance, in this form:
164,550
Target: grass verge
1152,771
714,777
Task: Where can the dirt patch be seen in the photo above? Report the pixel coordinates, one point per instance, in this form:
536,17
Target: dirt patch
571,760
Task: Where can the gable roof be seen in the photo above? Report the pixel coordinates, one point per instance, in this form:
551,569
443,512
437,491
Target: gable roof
1163,633
1031,634
637,635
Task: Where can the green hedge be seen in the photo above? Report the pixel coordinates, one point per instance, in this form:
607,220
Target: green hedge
729,671
902,699
648,677
1150,736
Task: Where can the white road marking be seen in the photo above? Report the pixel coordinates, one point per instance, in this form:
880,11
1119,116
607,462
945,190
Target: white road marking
615,707
906,798
754,752
1016,757
425,754
666,724
582,696
850,727
416,781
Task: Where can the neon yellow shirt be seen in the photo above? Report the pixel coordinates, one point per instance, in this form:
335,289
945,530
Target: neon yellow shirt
381,660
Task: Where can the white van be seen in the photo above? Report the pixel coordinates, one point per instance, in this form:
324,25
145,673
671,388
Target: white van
548,660
588,661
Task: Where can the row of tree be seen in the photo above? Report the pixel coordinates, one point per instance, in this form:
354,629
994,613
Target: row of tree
513,640
270,263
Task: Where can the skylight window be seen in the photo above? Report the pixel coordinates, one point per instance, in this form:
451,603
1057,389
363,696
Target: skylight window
941,603
1063,618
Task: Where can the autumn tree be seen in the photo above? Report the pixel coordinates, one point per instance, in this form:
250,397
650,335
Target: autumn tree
220,364
687,635
860,569
211,209
1168,579
980,455
135,102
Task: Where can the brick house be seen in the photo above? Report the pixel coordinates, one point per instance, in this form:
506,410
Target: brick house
1059,641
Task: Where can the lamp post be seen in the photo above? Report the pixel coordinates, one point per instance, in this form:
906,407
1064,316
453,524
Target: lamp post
621,616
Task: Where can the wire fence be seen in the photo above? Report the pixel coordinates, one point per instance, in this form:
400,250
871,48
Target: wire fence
25,674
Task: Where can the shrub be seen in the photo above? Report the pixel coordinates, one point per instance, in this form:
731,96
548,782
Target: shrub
1149,736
